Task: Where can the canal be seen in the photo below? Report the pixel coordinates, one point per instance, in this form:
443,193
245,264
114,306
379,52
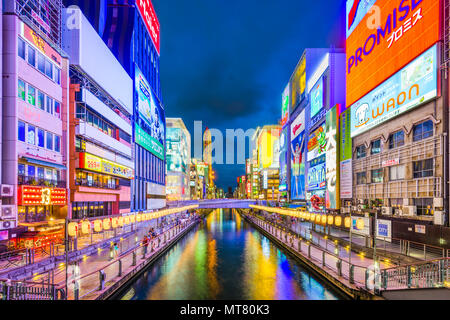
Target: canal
226,258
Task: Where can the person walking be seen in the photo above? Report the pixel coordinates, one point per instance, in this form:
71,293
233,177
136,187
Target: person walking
116,249
145,242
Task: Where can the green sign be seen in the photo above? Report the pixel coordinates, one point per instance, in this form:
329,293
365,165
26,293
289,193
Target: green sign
346,140
148,142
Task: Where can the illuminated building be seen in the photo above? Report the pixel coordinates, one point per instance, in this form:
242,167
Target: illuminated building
268,153
34,123
178,159
395,128
100,112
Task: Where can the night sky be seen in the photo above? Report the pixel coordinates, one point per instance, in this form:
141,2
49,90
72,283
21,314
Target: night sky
226,63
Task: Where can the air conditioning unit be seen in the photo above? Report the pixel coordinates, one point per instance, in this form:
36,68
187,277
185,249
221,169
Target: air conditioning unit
7,224
8,212
387,211
438,202
439,218
409,210
6,190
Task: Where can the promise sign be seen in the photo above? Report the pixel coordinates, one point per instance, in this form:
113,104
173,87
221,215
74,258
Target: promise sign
148,13
385,35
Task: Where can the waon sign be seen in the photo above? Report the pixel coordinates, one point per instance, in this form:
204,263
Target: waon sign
385,35
151,20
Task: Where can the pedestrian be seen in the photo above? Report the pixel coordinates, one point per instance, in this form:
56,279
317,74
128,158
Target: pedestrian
116,250
145,244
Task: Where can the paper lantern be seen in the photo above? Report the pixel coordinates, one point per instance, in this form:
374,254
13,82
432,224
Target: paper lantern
106,224
114,223
312,217
85,227
360,223
324,219
330,220
308,216
338,221
132,218
347,222
138,217
97,225
72,229
120,221
126,220
318,218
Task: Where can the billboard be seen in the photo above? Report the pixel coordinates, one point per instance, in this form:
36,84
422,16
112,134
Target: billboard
94,163
413,85
332,174
383,36
285,105
317,97
269,148
148,14
150,131
283,159
298,149
176,150
345,156
316,143
317,174
298,84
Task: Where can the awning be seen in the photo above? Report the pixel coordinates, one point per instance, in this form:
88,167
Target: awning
45,163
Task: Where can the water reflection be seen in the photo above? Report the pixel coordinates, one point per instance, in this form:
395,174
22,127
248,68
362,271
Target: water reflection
225,258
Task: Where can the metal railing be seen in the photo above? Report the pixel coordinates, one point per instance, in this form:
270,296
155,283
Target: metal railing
96,184
122,267
427,274
333,263
26,290
28,180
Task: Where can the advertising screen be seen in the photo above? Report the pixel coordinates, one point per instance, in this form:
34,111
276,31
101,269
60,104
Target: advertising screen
153,120
332,173
298,84
383,36
298,150
285,105
413,85
346,175
316,143
283,159
317,97
148,14
269,148
176,150
317,174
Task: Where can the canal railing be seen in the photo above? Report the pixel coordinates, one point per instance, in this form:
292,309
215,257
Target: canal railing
104,280
27,290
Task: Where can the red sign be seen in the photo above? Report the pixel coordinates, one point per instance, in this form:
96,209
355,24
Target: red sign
390,35
151,20
41,196
392,162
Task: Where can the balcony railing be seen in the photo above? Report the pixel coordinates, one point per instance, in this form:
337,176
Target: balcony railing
95,184
33,181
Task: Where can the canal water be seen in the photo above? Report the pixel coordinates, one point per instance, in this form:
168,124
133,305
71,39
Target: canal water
226,258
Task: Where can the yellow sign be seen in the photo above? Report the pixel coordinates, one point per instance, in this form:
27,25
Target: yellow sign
94,163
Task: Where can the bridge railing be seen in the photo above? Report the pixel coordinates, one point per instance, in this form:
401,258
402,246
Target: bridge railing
423,275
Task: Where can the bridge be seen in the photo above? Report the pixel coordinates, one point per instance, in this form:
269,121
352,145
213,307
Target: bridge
219,203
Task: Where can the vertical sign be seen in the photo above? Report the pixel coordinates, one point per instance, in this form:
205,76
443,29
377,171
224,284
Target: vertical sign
298,150
285,105
148,14
332,174
345,156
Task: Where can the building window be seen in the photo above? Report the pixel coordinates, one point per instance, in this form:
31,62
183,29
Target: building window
49,141
397,173
423,130
41,63
49,105
424,206
31,56
49,69
21,169
21,48
57,109
396,139
41,139
40,172
31,95
21,131
57,75
31,135
57,143
375,146
361,178
21,89
41,100
423,168
31,171
360,152
377,175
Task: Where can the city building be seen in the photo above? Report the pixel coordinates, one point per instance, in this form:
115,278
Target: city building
178,159
100,112
395,130
34,124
